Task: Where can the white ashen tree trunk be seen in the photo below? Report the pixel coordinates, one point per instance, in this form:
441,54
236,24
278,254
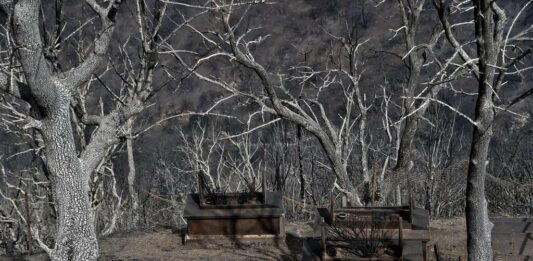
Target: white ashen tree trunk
52,92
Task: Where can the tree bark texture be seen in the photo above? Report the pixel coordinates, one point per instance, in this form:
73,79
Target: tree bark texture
52,92
477,219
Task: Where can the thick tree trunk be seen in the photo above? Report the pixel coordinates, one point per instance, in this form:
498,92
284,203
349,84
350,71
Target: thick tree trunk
478,224
339,168
477,219
411,123
415,61
76,237
406,141
346,185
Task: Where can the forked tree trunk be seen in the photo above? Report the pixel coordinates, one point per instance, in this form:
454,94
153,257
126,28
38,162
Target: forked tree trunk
411,17
327,142
76,237
343,179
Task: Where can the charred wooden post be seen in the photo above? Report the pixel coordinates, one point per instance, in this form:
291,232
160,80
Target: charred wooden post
426,250
411,202
323,237
400,235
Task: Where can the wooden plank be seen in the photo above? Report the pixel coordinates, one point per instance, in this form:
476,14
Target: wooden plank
247,226
229,237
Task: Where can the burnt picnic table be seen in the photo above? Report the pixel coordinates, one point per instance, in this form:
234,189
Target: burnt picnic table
238,222
406,225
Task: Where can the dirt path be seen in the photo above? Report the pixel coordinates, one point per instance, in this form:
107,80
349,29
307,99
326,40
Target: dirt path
163,245
511,240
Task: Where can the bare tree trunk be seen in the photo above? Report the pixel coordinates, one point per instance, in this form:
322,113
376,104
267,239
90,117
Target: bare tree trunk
300,164
398,195
342,174
131,175
363,109
52,91
477,219
364,146
429,192
412,110
406,141
76,236
415,62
